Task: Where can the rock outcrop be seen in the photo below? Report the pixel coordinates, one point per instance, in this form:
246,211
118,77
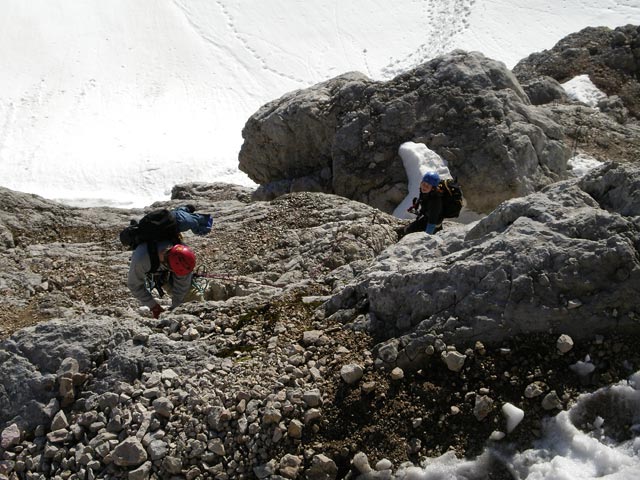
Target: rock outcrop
609,131
611,58
564,259
318,333
342,136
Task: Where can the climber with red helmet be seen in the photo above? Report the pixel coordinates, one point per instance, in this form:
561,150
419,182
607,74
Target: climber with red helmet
158,264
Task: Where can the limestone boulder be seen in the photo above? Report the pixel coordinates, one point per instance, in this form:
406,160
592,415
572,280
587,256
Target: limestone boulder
564,259
342,136
608,56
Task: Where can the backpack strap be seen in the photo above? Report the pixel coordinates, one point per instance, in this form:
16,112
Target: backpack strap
152,248
157,280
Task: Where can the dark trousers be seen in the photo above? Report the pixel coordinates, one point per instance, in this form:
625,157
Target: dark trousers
419,225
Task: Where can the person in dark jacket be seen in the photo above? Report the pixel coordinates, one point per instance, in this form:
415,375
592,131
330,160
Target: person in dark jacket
428,206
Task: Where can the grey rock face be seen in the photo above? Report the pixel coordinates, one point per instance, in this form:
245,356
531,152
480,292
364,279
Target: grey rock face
609,57
311,116
94,369
246,384
564,259
211,192
342,136
544,90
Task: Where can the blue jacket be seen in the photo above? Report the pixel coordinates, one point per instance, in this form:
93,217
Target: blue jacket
198,223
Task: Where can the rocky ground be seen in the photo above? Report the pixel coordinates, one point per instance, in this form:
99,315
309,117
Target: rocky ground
325,347
256,381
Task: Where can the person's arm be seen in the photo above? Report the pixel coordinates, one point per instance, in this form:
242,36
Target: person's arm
179,289
140,264
200,224
434,213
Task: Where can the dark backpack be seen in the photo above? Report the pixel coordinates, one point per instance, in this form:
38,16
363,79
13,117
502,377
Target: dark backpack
155,226
452,198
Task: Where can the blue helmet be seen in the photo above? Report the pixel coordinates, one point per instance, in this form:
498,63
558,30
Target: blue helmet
432,178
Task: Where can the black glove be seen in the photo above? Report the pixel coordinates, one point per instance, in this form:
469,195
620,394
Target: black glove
415,205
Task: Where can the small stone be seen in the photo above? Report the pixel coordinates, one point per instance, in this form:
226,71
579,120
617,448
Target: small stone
571,304
129,453
311,415
311,337
483,407
551,401
6,467
216,446
163,407
397,374
271,415
361,463
157,449
312,398
322,468
140,473
513,415
169,375
454,360
351,373
535,389
384,464
58,436
172,465
10,436
368,387
294,429
564,343
289,466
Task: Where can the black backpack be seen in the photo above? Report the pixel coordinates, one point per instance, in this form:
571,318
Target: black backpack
155,226
452,198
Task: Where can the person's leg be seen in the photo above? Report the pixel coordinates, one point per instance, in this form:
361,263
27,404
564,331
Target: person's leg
418,225
193,295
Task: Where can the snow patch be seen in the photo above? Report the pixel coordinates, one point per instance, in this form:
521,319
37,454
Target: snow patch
582,89
582,164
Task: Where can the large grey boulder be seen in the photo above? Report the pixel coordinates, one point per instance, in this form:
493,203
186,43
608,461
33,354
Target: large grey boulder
543,90
564,259
113,350
342,136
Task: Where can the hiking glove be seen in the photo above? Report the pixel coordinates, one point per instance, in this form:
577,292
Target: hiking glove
431,228
157,310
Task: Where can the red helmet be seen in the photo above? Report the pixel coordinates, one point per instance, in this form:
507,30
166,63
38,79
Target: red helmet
181,260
